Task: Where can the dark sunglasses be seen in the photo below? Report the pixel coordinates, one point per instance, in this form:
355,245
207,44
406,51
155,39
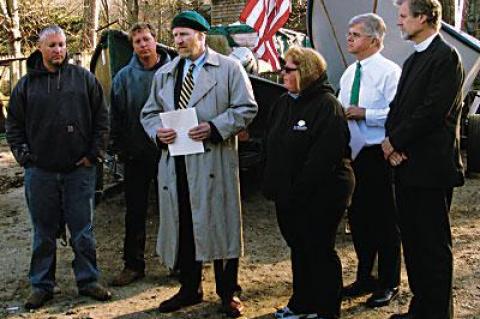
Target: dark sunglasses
286,69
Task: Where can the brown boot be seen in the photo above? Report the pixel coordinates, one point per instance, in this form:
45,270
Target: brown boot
96,291
37,299
127,276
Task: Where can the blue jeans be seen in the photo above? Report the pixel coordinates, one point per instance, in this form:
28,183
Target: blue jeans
50,195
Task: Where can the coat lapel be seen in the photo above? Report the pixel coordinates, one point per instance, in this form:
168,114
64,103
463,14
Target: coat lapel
167,93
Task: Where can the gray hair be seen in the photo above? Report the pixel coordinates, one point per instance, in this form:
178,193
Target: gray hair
432,9
373,25
50,30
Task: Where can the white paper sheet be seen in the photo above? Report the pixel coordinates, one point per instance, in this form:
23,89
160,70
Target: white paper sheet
182,121
357,140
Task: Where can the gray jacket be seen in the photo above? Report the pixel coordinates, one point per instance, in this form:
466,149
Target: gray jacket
130,91
222,95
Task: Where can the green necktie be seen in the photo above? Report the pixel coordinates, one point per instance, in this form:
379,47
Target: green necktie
355,93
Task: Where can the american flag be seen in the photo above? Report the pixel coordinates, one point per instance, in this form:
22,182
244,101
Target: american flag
266,17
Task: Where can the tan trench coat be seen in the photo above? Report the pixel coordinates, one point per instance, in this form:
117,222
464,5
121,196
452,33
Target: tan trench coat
223,95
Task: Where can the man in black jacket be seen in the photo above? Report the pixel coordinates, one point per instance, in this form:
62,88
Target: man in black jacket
130,90
57,128
422,145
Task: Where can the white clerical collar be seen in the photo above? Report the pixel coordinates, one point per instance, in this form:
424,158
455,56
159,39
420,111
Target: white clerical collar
422,46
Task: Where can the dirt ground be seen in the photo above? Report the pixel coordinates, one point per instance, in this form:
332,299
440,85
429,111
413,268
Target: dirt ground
264,272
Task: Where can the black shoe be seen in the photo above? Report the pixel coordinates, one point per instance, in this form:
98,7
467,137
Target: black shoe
382,297
359,288
37,299
402,316
180,300
232,307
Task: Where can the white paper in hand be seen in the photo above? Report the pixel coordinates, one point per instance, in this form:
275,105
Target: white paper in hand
182,121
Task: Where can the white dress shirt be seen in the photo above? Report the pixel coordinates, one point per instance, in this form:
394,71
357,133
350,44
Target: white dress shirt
378,85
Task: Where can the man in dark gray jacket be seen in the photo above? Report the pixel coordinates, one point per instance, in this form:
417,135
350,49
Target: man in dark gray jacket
130,90
57,128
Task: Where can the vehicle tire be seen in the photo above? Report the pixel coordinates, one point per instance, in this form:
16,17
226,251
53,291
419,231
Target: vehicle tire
473,145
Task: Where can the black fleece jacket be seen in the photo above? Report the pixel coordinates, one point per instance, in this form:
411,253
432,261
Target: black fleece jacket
307,147
56,118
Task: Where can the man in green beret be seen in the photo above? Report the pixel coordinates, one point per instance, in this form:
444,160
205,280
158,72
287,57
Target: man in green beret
200,212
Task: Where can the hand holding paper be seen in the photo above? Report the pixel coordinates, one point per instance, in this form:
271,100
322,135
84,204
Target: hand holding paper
166,135
200,132
177,125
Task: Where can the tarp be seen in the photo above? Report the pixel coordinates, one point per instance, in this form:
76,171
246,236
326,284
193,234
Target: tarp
328,23
244,36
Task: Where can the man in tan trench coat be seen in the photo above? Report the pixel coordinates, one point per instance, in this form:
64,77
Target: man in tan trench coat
200,213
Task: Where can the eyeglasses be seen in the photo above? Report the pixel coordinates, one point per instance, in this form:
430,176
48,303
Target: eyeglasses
286,69
356,35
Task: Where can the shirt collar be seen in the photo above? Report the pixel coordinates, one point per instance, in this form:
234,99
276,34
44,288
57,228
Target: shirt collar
198,62
294,95
371,58
422,46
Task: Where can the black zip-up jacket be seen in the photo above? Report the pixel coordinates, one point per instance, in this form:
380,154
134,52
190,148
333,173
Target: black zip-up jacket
307,151
56,118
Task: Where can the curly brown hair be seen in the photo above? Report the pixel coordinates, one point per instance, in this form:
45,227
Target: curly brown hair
310,64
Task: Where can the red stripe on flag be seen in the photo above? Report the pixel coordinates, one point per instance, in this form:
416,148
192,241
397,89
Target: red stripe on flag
266,17
247,10
280,22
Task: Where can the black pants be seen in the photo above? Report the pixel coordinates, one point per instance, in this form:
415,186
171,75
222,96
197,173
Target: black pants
427,247
316,268
139,174
372,219
226,271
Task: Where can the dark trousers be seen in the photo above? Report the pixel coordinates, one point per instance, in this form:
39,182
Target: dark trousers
316,267
372,219
139,174
427,247
226,271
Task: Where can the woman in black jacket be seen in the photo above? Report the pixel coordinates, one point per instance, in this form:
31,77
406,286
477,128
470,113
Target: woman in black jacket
308,175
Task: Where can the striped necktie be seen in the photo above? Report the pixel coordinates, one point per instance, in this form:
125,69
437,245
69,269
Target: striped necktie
187,88
355,92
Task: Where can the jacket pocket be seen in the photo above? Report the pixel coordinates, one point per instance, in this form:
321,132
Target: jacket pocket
77,140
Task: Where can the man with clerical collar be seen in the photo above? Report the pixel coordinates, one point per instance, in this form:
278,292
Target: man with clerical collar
200,212
422,145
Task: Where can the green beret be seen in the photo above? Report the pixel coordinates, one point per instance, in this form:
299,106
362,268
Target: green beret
192,20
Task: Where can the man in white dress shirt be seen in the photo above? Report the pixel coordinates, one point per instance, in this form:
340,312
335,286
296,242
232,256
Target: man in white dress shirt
366,89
